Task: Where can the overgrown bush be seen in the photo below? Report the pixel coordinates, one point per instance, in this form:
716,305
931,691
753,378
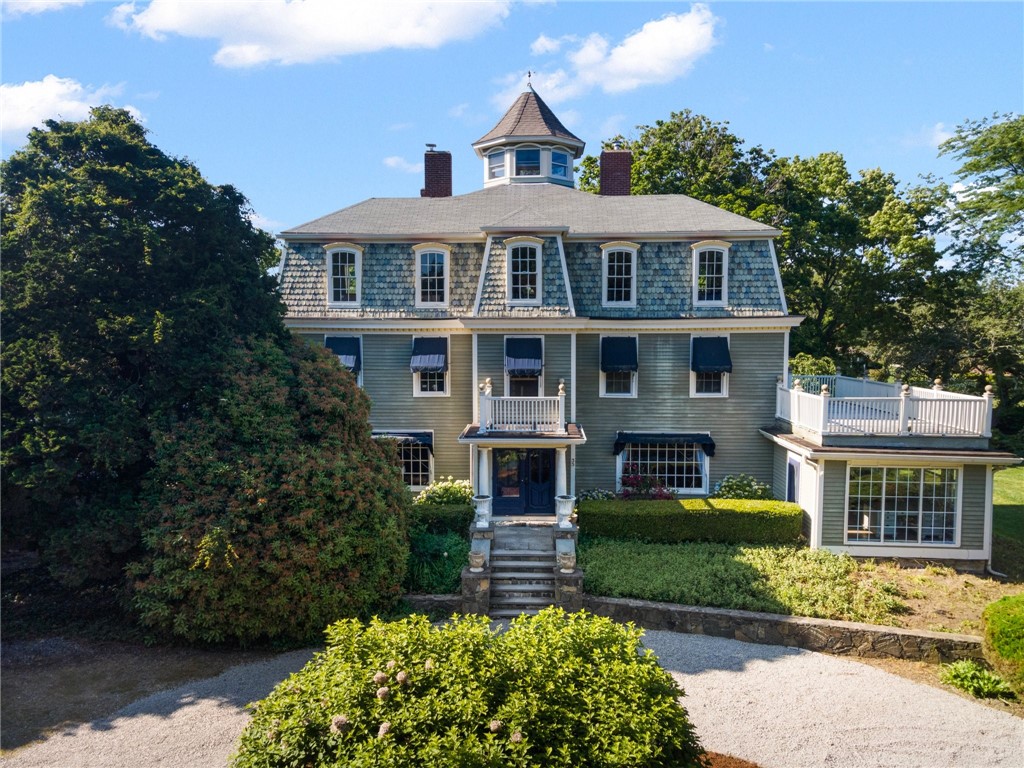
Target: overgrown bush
435,562
724,520
741,487
447,490
1003,639
273,512
554,690
803,364
441,518
969,676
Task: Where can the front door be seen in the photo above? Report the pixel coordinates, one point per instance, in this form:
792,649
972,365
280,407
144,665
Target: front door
524,481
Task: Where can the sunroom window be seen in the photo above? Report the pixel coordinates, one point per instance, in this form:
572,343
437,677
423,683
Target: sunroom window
902,505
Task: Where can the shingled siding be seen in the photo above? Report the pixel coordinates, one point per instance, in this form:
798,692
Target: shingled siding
388,282
665,281
388,381
494,294
663,404
557,362
972,509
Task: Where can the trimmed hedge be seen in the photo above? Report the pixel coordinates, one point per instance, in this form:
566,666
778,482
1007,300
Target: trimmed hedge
441,518
1003,641
729,521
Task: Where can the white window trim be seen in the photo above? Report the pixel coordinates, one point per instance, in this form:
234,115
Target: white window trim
514,242
693,374
890,547
607,248
540,162
705,474
549,153
504,164
362,358
633,378
332,248
418,251
447,374
711,245
543,351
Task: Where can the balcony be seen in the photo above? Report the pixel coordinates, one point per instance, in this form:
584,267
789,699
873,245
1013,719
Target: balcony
846,407
522,414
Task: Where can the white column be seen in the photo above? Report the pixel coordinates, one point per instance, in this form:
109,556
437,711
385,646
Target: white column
483,474
561,488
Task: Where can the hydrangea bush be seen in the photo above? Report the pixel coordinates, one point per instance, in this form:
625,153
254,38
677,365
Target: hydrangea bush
447,490
741,487
554,690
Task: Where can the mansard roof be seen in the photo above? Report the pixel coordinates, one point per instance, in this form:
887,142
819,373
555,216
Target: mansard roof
530,208
529,118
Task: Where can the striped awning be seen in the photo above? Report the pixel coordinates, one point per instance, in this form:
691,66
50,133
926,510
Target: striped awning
524,356
429,354
347,348
703,439
711,355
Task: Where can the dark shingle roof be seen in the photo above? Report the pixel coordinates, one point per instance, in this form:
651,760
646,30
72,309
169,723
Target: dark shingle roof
529,116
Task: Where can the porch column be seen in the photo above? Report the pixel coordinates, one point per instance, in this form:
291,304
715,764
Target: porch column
483,474
561,487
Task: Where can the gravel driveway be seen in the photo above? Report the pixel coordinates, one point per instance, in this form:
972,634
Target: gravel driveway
775,706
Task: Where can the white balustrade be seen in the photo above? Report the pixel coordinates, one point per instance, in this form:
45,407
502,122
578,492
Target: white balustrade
522,414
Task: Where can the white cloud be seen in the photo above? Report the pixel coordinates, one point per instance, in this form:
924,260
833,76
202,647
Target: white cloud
459,109
14,8
261,221
930,136
661,51
254,32
27,105
401,164
545,44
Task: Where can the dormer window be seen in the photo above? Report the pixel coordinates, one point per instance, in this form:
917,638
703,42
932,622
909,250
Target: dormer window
619,268
433,266
527,162
496,165
344,274
710,273
524,270
559,164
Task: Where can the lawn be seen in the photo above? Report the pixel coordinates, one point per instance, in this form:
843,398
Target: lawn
1008,522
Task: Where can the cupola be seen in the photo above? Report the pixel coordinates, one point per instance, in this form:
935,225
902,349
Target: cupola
528,145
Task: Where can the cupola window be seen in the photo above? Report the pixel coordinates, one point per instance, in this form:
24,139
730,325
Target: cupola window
527,162
560,164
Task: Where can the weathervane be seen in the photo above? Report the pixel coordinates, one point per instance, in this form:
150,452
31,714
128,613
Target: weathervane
529,74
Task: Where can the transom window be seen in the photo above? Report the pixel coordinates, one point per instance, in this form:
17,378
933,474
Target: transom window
710,273
619,260
527,162
432,270
496,165
902,505
560,164
681,468
344,273
524,270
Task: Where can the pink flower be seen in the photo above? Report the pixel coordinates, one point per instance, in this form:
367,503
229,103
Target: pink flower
340,724
428,664
380,678
402,678
382,692
392,664
495,726
517,737
383,730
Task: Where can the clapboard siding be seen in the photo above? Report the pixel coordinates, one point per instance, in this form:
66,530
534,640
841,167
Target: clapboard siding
780,457
663,404
557,360
388,381
833,518
972,531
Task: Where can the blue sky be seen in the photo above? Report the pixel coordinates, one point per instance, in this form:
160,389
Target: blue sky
311,106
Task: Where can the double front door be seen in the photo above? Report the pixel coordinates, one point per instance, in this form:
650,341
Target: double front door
524,481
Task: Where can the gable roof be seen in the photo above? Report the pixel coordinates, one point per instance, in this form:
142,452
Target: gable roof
530,118
530,208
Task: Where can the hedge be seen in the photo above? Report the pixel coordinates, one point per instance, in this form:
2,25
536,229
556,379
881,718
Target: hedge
729,521
1003,641
441,518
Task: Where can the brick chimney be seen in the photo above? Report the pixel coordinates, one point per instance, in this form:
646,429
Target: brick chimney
616,166
437,173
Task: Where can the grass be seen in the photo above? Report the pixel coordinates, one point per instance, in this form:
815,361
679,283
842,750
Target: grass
1008,522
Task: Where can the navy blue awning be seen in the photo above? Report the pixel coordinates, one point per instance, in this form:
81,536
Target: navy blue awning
618,353
408,438
524,356
659,438
429,355
347,348
711,355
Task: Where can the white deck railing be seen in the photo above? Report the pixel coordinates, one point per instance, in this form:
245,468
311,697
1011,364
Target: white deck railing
522,414
878,408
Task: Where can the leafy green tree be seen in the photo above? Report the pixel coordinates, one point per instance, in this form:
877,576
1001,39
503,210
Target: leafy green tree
984,213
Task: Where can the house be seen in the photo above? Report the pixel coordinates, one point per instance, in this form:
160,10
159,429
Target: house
541,341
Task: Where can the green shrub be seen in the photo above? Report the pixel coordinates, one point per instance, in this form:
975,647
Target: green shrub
741,487
969,676
724,520
803,364
447,490
273,512
441,518
435,562
1003,639
554,690
595,494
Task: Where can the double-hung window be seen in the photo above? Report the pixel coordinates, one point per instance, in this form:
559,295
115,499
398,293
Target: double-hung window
559,164
433,267
524,270
618,262
429,366
710,273
902,505
496,165
618,366
344,274
349,350
415,456
710,366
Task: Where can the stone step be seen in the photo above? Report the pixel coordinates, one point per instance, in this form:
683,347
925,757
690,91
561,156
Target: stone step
523,554
525,590
526,565
503,601
512,613
539,576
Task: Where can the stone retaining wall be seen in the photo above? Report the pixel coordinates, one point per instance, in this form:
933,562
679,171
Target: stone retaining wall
843,638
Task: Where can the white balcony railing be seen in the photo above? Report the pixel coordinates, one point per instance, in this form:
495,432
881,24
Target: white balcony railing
522,414
838,405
